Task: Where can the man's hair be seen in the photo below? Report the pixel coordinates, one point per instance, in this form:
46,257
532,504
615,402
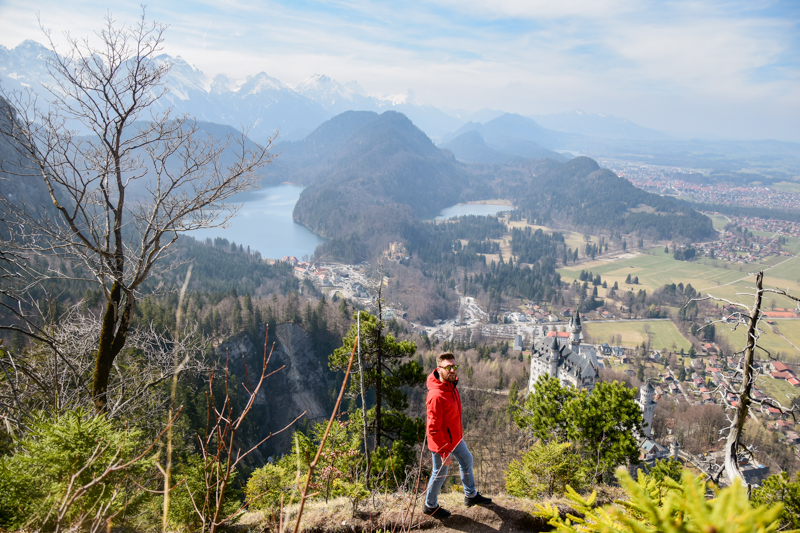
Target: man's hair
446,356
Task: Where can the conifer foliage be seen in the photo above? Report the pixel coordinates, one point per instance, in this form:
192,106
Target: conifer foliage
600,424
388,370
665,506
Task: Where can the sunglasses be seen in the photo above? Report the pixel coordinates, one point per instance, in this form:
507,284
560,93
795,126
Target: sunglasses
450,368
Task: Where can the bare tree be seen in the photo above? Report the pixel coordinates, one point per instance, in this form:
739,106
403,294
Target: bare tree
124,191
750,319
45,380
220,448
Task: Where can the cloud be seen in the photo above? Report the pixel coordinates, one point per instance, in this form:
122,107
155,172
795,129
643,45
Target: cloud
683,64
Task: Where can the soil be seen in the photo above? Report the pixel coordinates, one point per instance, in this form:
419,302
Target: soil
499,517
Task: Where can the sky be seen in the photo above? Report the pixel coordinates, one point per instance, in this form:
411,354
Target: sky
725,69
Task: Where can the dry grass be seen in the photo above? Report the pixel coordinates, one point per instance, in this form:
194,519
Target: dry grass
398,512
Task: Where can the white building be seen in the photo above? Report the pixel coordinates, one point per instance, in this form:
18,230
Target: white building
648,406
560,356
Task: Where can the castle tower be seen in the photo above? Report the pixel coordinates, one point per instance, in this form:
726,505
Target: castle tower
553,357
674,448
648,406
575,329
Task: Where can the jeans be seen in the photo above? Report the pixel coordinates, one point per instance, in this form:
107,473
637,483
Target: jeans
461,454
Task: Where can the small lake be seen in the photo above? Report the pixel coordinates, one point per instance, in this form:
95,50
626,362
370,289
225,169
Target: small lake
265,223
461,210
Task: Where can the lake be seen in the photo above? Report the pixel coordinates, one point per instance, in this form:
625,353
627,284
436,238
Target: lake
461,210
265,224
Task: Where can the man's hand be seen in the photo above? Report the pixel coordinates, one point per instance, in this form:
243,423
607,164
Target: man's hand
447,461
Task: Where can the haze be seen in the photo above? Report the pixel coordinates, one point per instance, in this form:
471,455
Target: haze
711,69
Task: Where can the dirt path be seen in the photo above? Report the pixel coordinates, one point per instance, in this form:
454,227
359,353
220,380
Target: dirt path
495,518
507,515
504,516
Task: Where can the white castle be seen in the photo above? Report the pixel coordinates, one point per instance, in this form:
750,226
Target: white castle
576,365
570,362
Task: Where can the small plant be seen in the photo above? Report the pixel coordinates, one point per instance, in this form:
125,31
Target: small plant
777,488
354,491
266,485
545,470
72,470
665,507
191,478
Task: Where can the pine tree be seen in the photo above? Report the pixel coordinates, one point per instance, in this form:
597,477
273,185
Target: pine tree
388,370
600,424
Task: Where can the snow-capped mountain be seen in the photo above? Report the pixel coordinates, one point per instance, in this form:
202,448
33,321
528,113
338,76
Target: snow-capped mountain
24,66
261,102
266,104
333,96
432,120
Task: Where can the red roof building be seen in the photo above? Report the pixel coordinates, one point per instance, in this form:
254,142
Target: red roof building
778,314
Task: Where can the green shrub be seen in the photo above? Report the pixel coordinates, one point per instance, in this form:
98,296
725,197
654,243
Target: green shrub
35,479
195,476
665,507
341,457
266,485
544,470
777,488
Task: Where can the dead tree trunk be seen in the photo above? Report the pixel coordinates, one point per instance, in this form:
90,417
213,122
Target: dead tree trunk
733,442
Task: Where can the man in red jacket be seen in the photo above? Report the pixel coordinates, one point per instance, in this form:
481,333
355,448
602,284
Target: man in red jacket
445,437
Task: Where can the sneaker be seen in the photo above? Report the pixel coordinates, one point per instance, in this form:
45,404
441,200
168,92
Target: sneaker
436,512
477,500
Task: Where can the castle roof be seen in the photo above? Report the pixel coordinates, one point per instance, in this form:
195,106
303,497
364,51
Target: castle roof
575,360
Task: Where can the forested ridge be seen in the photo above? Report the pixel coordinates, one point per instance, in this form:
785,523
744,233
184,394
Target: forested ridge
371,179
598,200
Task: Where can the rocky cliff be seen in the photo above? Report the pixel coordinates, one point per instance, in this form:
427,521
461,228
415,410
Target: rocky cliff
304,384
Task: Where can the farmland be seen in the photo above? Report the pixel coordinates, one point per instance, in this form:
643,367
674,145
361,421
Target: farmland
654,271
663,333
768,340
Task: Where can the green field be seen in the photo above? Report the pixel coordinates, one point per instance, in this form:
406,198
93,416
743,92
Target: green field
786,186
654,271
789,328
719,221
779,389
768,340
708,276
783,276
663,333
792,245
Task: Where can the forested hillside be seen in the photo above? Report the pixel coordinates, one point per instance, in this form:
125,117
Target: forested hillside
371,178
595,199
388,163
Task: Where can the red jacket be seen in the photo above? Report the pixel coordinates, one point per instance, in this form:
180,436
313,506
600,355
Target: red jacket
443,430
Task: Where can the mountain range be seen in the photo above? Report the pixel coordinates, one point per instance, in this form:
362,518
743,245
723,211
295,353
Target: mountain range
267,104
